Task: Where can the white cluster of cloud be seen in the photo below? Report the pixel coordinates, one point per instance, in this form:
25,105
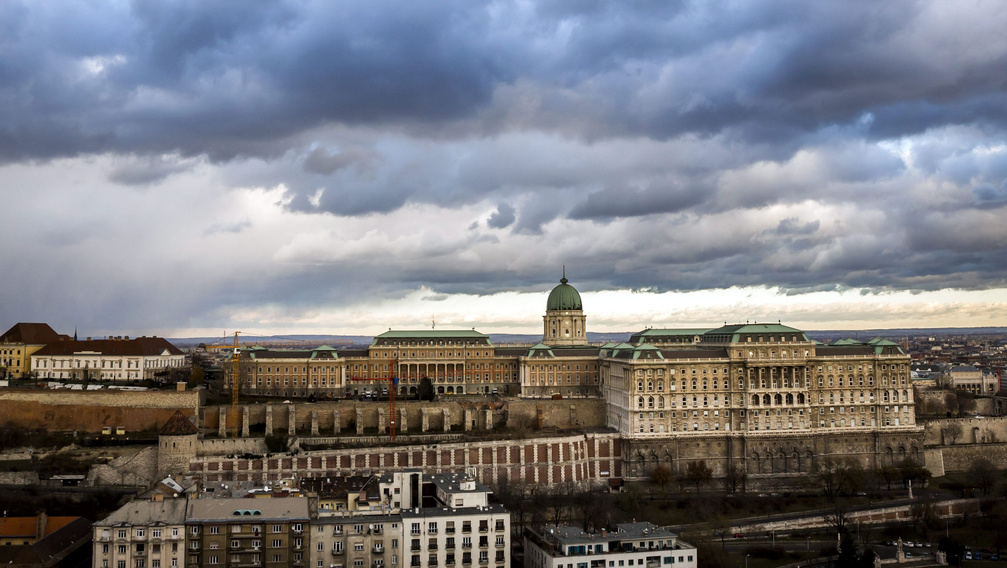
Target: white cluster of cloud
182,167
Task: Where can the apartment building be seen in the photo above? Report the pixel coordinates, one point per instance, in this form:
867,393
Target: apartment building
247,533
141,534
411,519
642,545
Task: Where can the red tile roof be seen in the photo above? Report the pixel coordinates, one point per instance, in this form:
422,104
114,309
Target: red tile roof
30,334
139,346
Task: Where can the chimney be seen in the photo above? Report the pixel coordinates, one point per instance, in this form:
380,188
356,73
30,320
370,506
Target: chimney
158,497
180,386
604,533
40,522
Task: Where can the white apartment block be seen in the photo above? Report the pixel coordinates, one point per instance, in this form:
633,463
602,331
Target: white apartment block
415,520
631,545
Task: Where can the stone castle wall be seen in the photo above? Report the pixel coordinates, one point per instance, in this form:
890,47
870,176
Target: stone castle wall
370,418
89,411
973,430
771,456
961,458
580,458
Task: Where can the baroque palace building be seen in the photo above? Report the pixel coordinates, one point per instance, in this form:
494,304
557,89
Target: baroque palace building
764,394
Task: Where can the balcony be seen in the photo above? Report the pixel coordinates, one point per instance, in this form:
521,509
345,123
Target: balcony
105,538
449,546
484,561
339,552
194,545
466,545
378,550
140,553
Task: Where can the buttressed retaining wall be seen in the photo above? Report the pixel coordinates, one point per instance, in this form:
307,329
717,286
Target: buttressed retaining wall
89,411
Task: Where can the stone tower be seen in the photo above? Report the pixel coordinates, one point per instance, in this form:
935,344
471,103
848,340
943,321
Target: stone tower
176,446
565,322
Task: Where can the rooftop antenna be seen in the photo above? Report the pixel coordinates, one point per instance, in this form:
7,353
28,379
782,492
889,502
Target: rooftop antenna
433,323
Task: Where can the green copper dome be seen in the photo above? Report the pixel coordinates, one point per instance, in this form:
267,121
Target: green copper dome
564,297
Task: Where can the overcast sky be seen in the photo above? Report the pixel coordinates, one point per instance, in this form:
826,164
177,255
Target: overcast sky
184,168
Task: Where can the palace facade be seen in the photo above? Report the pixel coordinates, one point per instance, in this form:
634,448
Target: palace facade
751,381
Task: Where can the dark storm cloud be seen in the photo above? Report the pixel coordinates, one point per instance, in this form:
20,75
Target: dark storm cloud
615,202
664,145
204,77
502,218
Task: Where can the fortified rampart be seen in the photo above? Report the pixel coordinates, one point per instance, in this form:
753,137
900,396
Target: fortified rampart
352,417
89,411
771,458
582,458
959,431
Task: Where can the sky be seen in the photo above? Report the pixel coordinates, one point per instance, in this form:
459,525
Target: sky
186,168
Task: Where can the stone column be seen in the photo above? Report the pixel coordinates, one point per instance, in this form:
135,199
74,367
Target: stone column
314,422
424,420
337,428
360,420
222,422
245,418
382,420
269,420
488,414
467,417
447,420
403,426
291,420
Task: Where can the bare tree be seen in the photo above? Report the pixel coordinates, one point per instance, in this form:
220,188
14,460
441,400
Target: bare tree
951,431
698,474
735,478
983,475
661,475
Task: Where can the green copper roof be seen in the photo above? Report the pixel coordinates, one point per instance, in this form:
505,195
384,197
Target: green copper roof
741,330
432,333
673,332
564,297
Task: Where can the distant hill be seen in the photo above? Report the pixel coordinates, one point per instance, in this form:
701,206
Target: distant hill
346,341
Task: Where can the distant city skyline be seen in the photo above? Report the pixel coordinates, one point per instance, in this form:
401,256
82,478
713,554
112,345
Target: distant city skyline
180,169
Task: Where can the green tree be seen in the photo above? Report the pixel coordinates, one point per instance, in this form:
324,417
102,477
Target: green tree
848,557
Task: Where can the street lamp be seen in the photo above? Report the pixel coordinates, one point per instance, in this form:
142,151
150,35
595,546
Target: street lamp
746,561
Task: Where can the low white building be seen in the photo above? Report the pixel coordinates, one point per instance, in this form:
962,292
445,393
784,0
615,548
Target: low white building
114,359
642,545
